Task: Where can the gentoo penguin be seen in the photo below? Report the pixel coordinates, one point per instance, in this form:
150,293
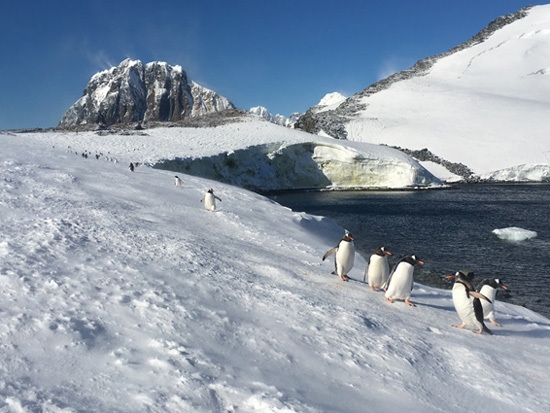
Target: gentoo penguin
400,282
210,200
467,303
344,256
488,287
177,181
378,268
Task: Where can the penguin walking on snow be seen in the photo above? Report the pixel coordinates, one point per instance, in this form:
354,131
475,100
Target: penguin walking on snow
209,200
401,281
467,302
378,269
344,256
488,287
177,181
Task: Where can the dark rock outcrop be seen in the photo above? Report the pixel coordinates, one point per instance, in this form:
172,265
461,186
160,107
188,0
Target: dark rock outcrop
133,92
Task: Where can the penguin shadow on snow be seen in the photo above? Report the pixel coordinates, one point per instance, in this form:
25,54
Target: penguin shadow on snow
519,327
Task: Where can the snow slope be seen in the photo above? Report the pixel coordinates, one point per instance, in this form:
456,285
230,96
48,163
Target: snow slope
487,106
258,155
120,293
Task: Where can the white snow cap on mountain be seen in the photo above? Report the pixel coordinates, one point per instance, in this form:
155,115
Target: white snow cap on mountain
330,99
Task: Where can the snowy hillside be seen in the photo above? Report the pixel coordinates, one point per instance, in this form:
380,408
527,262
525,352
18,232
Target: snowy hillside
485,105
257,155
120,293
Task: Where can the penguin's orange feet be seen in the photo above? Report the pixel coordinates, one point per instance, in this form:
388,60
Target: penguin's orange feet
344,277
409,303
460,326
373,288
493,322
478,331
389,300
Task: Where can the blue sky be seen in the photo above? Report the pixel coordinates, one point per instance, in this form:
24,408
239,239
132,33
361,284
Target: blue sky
281,54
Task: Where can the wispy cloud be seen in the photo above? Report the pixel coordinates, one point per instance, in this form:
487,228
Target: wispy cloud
100,59
393,65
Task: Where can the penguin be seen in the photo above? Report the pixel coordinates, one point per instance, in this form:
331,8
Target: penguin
467,302
344,256
377,269
488,287
400,281
177,181
210,200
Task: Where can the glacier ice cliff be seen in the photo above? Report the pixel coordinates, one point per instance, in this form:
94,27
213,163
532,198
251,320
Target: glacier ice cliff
307,166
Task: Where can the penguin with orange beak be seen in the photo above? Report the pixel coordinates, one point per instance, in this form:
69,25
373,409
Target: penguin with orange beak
400,282
467,302
488,287
378,268
344,256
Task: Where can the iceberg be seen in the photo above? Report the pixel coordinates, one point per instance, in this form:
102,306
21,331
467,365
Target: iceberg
514,234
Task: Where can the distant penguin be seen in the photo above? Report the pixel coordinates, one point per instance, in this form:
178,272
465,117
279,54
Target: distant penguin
209,200
378,269
467,302
177,181
131,166
488,287
401,281
344,256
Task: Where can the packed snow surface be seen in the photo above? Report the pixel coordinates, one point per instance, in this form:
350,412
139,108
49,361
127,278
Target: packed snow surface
255,154
514,233
120,293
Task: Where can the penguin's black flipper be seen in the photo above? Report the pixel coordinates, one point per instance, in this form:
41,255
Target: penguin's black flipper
478,295
329,252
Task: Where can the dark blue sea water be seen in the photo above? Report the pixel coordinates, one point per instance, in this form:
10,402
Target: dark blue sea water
450,230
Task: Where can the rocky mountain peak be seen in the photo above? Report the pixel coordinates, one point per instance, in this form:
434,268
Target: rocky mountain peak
134,92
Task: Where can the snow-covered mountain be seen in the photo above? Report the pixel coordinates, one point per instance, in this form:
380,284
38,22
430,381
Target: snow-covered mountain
482,108
120,293
328,102
277,119
134,92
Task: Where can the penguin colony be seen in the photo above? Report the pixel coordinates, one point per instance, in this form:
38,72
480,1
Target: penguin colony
472,306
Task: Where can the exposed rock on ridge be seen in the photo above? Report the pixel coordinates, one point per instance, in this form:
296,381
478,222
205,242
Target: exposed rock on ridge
332,122
133,92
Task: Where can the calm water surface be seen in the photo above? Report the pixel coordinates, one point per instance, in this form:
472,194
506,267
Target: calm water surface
450,230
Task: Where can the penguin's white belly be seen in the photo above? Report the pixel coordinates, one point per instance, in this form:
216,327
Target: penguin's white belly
488,307
401,282
464,306
210,202
345,257
378,271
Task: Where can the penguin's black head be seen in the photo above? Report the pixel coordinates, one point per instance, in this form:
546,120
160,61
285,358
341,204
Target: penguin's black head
415,260
500,283
383,251
459,277
347,236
